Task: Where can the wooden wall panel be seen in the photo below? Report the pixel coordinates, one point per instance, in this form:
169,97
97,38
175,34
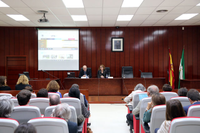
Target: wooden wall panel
145,48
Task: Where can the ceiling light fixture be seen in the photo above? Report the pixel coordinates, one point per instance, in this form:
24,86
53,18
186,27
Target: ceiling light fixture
18,17
186,16
79,17
162,11
132,3
2,4
198,4
124,17
73,3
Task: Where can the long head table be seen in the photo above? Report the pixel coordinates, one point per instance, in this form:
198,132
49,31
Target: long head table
112,87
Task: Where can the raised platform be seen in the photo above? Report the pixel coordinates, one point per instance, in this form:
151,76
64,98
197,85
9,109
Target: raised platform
106,99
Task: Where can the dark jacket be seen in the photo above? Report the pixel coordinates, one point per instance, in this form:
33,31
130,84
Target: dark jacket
87,73
21,86
99,74
5,88
187,107
72,126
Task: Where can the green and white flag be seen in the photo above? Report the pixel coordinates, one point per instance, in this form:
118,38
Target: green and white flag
181,69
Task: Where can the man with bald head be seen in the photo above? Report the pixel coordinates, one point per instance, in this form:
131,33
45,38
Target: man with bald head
85,72
54,100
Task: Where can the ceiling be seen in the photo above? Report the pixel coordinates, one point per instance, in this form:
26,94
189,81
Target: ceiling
100,13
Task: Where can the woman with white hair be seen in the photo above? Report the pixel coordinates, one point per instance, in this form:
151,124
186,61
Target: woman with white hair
63,111
6,107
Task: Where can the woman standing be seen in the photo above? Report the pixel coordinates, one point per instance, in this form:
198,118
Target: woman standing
3,83
101,72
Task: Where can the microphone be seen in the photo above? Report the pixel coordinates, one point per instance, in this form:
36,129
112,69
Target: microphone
140,71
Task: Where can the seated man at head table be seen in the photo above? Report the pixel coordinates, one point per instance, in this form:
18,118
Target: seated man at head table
85,73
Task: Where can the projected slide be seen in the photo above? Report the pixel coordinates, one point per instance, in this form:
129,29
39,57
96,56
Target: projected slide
58,49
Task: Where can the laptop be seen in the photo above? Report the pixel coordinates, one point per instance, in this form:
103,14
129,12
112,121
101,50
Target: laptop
71,74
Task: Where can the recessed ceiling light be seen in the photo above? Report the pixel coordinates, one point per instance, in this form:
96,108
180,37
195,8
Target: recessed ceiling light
79,17
73,3
198,4
132,3
18,17
124,17
2,4
186,16
162,11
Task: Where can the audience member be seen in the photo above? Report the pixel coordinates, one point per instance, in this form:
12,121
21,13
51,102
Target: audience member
42,93
157,99
138,88
182,92
6,107
22,83
174,109
167,87
63,111
153,89
23,97
193,96
3,83
25,128
53,86
54,100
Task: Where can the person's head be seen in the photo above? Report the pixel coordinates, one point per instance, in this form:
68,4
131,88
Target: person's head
23,80
25,128
74,91
62,111
152,89
53,86
6,107
29,88
193,95
139,87
167,87
174,109
182,92
101,67
54,100
84,68
42,93
3,81
23,97
158,99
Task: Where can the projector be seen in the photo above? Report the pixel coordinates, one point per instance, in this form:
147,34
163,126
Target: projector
43,20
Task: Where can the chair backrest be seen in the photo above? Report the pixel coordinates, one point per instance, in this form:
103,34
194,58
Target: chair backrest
27,75
81,97
41,103
194,110
157,117
6,94
52,93
184,100
50,125
73,118
33,95
15,101
107,69
185,125
127,72
8,125
143,106
75,102
169,95
25,113
136,98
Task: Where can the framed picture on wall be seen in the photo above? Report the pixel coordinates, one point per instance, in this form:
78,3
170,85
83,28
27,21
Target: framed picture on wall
117,44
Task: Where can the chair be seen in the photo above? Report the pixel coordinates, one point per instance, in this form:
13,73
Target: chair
157,117
41,103
185,125
6,94
8,125
52,93
143,106
75,102
33,95
169,95
194,110
81,97
49,125
27,75
24,113
15,101
73,118
107,69
127,72
184,100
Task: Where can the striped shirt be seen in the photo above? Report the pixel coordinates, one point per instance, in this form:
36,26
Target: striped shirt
164,128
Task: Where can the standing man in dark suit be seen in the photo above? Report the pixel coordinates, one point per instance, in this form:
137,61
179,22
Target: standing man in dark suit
85,72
